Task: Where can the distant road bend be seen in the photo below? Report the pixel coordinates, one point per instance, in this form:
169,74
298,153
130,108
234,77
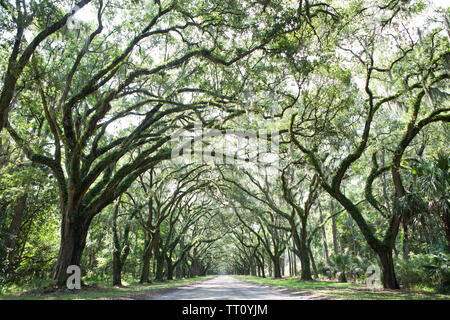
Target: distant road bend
229,288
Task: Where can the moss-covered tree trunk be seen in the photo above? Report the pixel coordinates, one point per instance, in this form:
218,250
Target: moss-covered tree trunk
304,253
387,266
146,257
72,244
13,232
117,269
159,257
170,267
276,267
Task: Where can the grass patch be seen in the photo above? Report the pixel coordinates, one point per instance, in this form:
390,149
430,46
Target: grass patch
102,293
346,291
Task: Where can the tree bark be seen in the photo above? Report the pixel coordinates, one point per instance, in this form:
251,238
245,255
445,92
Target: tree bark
14,232
117,263
387,266
316,274
276,267
305,273
145,273
119,258
291,266
294,246
262,266
270,270
73,241
148,245
405,240
159,266
253,268
324,238
304,255
117,269
169,268
333,228
355,250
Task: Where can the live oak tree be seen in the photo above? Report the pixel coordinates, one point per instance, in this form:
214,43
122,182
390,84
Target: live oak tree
250,259
18,18
121,240
259,217
170,198
296,195
301,209
90,101
87,86
26,201
273,239
197,214
411,90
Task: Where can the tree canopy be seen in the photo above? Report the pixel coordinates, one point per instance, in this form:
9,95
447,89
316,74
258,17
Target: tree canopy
149,140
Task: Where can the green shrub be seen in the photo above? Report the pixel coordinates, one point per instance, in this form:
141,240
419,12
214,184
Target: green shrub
439,271
39,286
358,268
340,263
322,268
354,267
429,270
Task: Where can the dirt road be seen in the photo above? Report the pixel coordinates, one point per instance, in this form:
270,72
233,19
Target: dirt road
229,288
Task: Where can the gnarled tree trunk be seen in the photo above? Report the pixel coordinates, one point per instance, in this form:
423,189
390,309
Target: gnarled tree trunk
145,273
276,267
387,266
73,242
14,232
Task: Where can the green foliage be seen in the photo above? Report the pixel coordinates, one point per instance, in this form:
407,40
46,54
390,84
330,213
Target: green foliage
429,270
352,88
345,291
434,176
340,262
354,267
438,269
358,268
